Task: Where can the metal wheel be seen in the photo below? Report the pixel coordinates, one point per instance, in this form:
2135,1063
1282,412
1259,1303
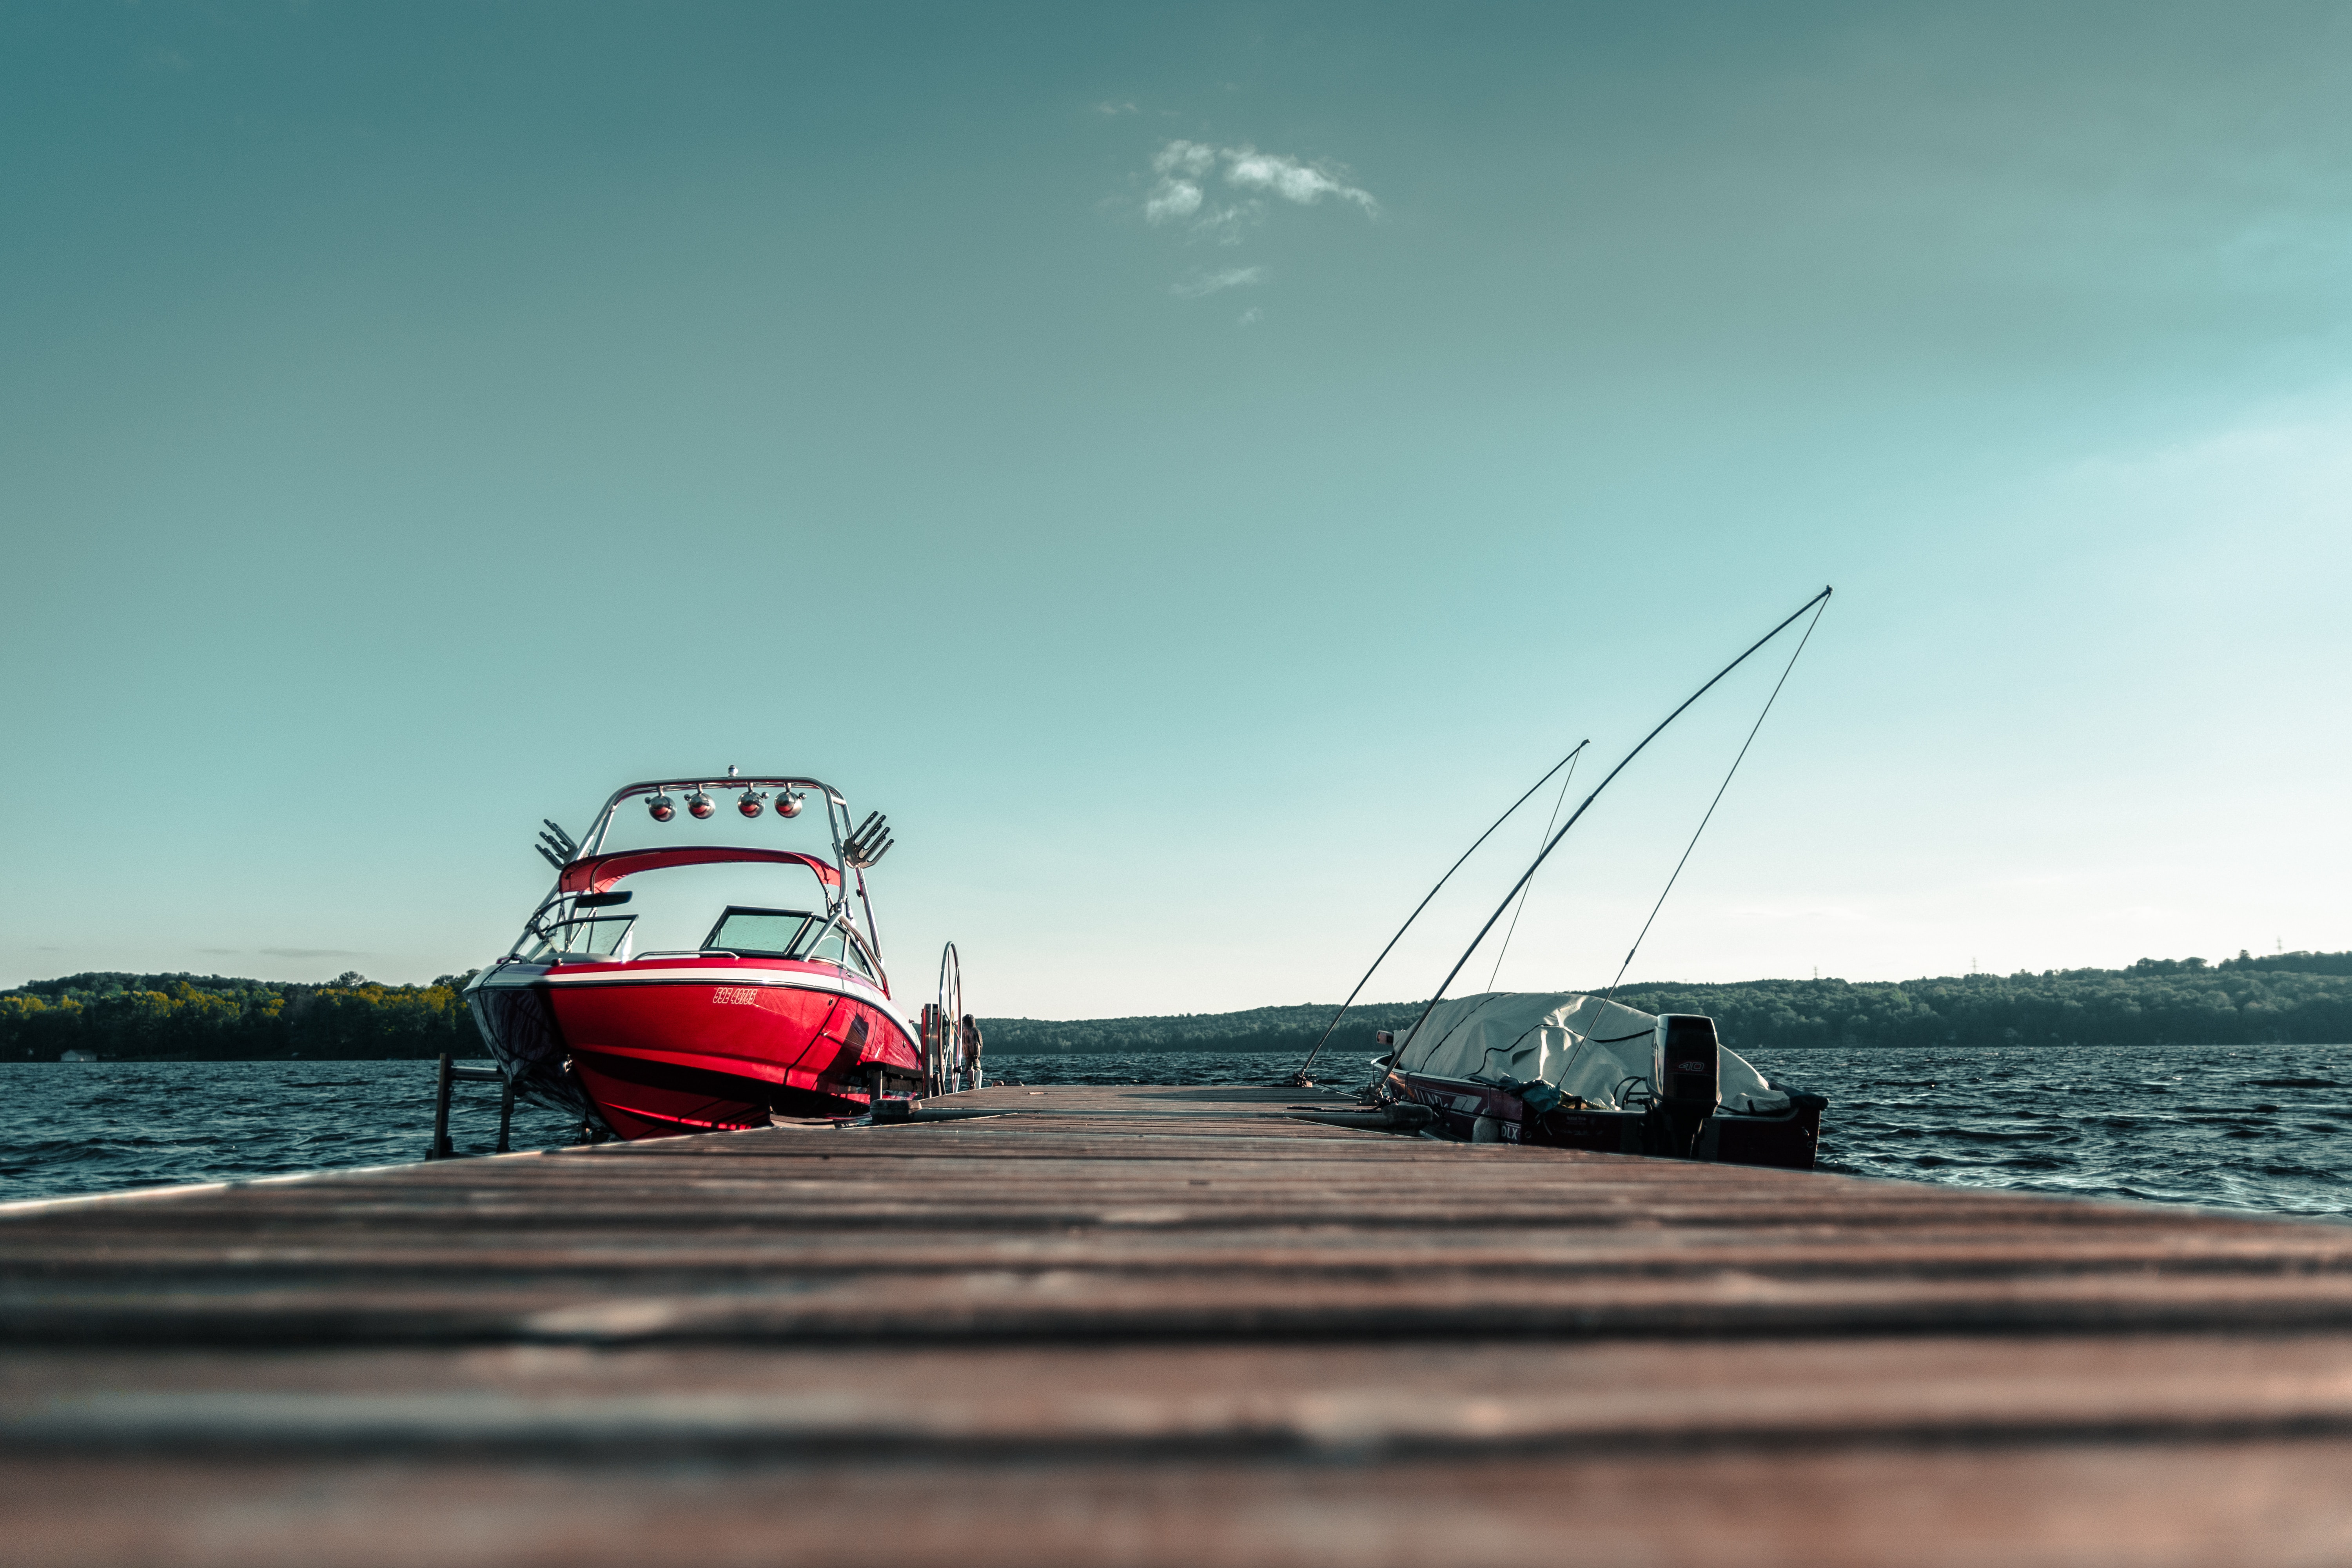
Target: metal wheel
943,1024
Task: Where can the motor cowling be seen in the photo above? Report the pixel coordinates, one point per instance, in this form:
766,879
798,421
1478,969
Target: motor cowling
1685,1061
1685,1076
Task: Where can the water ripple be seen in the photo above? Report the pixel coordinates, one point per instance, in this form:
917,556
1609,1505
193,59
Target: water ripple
2248,1127
83,1126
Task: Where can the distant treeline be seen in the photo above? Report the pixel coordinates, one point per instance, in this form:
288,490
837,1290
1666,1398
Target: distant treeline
206,1017
2292,998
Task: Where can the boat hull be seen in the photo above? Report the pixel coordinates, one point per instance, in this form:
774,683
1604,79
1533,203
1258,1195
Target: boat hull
657,1049
1481,1113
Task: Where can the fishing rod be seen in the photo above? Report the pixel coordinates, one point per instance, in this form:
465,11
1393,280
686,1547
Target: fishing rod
1300,1077
1528,874
1610,995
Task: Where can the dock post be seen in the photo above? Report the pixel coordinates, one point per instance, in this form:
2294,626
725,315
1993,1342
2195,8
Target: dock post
441,1149
506,1116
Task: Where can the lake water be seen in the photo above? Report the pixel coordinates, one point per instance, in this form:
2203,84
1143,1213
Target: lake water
2265,1128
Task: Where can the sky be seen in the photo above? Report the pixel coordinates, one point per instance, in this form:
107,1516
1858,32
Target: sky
1193,467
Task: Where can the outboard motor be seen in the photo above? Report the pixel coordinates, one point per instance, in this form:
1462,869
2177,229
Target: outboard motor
1684,1076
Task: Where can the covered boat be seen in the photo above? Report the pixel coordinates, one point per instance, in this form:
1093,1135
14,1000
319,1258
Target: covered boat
1588,1072
1574,1071
697,984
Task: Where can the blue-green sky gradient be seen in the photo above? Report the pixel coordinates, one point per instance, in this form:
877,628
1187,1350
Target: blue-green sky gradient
418,420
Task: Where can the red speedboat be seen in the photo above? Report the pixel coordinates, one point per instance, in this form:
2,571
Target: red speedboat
671,983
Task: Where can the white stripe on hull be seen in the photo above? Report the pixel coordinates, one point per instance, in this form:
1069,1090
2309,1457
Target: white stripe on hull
791,980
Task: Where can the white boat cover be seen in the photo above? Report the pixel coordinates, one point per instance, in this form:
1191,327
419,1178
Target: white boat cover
1583,1046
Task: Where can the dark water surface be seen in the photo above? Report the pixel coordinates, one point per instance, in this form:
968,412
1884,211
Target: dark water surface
2266,1127
86,1127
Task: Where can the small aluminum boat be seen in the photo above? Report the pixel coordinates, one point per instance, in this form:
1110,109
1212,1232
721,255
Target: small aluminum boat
780,1007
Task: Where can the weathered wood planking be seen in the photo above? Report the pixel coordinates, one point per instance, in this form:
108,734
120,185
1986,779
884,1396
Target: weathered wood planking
1162,1326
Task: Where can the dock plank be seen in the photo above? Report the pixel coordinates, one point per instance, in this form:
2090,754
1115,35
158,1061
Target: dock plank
1129,1323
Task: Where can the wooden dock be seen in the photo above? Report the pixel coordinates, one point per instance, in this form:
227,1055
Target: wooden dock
1161,1326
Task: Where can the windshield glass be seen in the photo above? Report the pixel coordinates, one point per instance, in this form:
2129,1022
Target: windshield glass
592,936
787,934
677,905
758,933
752,910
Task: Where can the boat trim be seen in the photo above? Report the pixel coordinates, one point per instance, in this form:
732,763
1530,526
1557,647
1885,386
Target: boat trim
801,980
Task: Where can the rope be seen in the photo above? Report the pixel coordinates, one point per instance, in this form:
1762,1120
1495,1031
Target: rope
1611,993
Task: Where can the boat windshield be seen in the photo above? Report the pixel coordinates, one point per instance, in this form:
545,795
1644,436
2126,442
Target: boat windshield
581,938
760,933
670,911
786,933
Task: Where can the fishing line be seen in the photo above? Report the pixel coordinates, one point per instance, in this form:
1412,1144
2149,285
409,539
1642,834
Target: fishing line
1450,974
1610,993
1568,762
1529,891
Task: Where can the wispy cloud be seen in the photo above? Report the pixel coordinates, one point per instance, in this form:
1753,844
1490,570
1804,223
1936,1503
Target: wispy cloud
1177,194
1221,195
1215,282
309,953
1114,109
1189,160
1170,200
1289,179
1183,171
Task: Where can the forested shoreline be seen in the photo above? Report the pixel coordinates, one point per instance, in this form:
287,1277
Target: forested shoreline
211,1018
2298,998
